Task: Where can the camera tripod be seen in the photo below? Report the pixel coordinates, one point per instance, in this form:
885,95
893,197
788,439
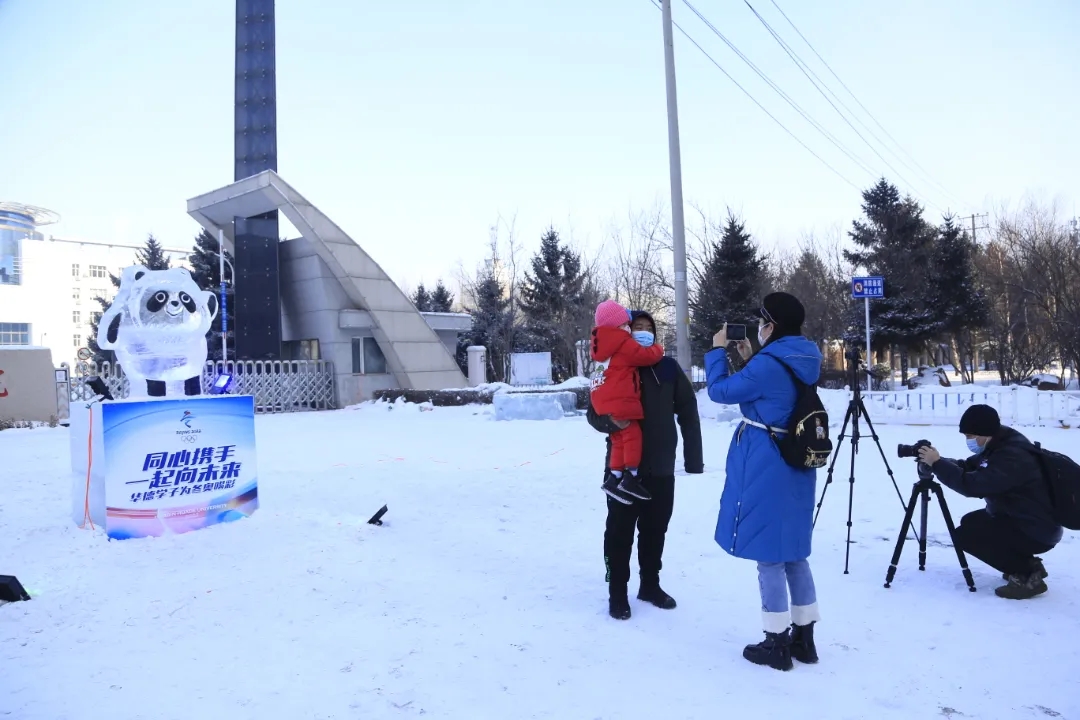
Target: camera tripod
921,492
855,410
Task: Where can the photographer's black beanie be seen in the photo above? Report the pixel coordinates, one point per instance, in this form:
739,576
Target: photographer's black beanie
786,311
980,420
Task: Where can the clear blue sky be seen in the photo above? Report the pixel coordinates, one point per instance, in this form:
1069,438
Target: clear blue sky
415,124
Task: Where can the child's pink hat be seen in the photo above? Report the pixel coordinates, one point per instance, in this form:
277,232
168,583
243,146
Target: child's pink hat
611,314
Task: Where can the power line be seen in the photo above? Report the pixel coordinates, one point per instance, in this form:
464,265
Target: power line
914,162
814,80
762,107
787,98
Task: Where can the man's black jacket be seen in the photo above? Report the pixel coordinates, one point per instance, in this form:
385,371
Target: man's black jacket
1008,475
666,394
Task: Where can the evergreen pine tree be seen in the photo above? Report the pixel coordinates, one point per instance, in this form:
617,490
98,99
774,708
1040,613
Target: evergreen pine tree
100,356
152,257
894,241
442,300
959,304
730,287
422,299
491,325
557,301
825,297
205,269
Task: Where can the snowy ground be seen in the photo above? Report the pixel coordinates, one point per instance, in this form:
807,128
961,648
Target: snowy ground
483,596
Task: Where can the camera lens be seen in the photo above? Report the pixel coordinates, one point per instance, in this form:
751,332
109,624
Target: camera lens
905,451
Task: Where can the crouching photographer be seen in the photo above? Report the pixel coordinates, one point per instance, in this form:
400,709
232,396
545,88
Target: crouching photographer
1018,522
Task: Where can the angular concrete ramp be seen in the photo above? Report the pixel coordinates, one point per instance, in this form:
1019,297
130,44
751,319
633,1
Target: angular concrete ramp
414,353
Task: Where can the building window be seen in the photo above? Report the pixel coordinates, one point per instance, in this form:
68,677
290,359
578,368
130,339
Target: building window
14,333
99,293
76,316
97,271
78,340
300,350
10,253
75,270
76,296
95,318
367,357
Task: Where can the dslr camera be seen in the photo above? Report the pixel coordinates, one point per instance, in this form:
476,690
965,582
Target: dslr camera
911,451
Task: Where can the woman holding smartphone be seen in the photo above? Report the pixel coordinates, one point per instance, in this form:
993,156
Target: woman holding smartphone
766,510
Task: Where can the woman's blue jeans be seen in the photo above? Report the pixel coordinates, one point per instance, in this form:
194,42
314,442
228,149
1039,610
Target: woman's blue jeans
775,580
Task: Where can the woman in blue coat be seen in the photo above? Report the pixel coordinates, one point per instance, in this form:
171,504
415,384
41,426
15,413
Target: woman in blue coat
766,510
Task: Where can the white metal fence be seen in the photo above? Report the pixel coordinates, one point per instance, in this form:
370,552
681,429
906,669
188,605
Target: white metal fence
1016,405
278,386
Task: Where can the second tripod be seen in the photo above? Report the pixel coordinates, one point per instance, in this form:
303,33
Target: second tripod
921,493
856,410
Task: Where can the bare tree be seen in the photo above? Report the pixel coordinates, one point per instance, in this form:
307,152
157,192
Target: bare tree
818,274
639,271
1033,266
499,317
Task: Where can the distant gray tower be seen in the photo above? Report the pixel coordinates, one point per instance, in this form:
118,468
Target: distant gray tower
257,289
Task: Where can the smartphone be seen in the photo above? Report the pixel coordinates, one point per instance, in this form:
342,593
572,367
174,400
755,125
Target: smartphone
736,332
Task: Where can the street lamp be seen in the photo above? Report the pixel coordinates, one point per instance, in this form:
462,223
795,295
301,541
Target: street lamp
224,311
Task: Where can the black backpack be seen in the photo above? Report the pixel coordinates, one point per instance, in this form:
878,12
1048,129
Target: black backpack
1063,478
806,444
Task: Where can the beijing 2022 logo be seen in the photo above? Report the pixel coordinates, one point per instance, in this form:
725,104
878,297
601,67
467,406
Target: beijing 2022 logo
190,434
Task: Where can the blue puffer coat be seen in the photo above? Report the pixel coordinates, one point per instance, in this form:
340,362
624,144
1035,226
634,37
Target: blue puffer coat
766,510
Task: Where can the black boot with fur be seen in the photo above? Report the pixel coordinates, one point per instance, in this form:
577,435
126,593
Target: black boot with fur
774,651
802,644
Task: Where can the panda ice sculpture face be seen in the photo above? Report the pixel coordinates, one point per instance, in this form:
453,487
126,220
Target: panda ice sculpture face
169,299
167,306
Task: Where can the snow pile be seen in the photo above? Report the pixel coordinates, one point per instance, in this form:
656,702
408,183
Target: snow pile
483,594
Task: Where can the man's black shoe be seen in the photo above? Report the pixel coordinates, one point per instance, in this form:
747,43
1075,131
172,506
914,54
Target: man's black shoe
653,593
1036,568
618,603
1022,587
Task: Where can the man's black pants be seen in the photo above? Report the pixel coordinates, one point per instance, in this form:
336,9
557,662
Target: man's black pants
651,519
998,542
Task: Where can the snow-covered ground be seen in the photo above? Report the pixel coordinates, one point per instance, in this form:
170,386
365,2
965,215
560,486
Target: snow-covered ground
483,595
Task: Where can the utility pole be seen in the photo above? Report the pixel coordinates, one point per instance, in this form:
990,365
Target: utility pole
973,218
678,229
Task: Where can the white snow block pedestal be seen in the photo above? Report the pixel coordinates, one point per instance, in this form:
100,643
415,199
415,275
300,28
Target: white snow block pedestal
534,406
152,467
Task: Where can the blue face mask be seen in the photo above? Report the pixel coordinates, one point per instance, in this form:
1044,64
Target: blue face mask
644,338
973,446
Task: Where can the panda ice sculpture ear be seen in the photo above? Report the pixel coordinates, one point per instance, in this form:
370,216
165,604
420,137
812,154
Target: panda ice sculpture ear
211,303
132,273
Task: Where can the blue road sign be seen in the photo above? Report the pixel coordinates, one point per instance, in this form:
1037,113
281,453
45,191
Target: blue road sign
863,288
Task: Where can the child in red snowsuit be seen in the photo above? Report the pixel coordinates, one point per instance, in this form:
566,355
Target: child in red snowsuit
616,391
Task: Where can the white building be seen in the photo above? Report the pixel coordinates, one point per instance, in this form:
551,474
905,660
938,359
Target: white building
48,285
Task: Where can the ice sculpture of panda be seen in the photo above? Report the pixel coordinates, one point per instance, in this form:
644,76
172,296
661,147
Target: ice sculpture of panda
157,327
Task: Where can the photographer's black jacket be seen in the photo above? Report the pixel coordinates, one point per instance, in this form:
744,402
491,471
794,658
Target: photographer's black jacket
1007,474
666,394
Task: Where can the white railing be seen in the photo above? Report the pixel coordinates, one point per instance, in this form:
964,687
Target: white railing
278,386
1016,405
